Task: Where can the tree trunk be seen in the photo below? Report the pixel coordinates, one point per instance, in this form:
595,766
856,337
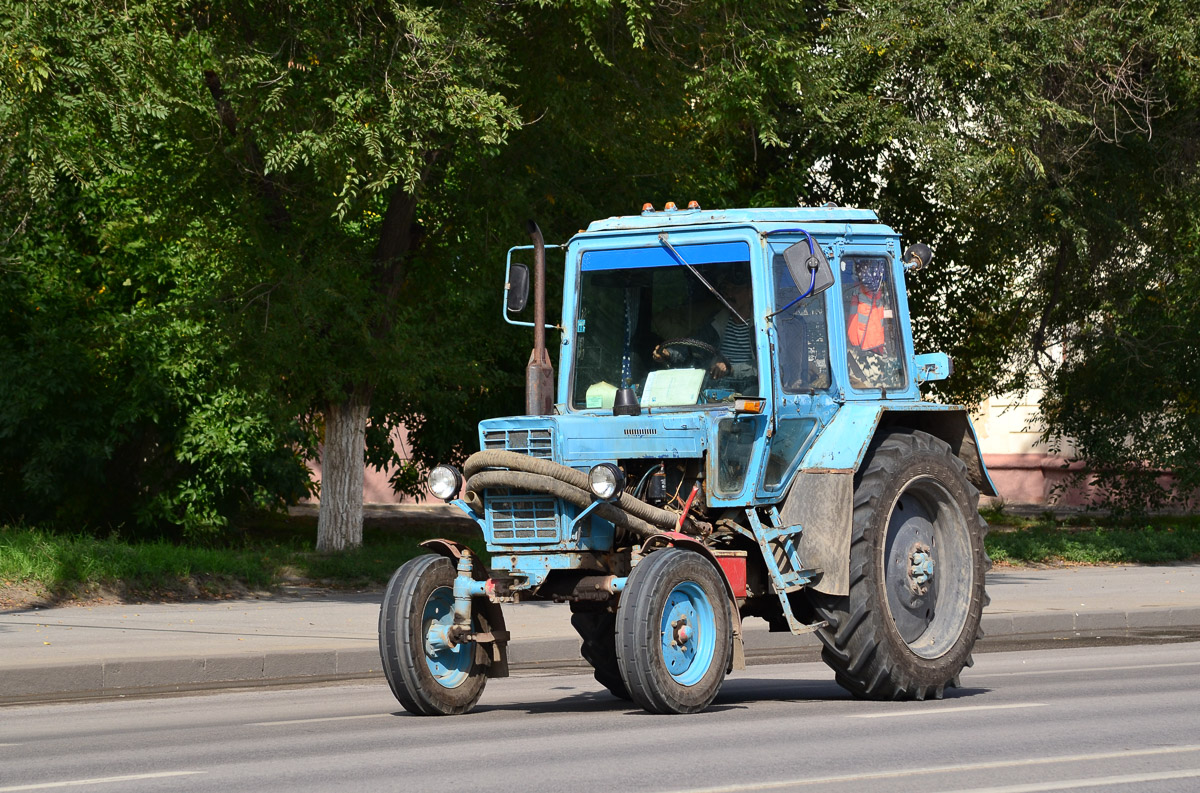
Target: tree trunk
340,523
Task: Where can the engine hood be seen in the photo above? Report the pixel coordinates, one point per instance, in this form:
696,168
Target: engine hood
584,439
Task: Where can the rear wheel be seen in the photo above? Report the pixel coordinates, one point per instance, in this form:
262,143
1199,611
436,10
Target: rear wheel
917,566
597,626
428,676
673,632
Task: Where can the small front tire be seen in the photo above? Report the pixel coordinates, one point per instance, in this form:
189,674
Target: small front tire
427,680
674,632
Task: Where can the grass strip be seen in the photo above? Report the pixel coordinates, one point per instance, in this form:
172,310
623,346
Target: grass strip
65,565
1089,539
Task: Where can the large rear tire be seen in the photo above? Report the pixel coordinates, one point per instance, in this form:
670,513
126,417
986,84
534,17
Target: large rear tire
429,680
674,632
917,567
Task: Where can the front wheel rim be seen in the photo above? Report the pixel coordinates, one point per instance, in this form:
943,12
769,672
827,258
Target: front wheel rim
929,573
449,666
688,630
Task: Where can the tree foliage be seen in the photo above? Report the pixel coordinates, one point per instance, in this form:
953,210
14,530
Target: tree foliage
221,219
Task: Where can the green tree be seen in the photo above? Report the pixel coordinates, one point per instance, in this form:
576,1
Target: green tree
307,131
1047,152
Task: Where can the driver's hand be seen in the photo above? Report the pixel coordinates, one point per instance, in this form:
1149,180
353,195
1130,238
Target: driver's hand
718,370
660,354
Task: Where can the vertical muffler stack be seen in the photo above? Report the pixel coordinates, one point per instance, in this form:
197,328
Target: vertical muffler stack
539,373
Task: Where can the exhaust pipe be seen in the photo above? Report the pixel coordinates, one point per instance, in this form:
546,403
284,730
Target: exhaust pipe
539,373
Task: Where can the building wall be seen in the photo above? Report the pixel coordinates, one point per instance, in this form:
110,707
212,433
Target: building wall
1021,466
376,489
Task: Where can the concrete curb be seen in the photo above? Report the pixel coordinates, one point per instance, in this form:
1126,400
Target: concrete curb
108,678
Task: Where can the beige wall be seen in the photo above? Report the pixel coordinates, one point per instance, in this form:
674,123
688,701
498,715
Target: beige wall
376,489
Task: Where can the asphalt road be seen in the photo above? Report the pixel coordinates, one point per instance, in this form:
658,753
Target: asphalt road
1103,719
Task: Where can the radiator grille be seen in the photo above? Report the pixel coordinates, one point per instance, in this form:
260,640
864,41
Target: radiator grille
523,517
534,443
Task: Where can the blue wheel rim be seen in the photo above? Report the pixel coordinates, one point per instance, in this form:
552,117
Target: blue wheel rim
688,633
450,666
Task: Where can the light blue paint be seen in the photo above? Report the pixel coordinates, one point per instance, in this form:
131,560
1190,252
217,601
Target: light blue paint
448,663
787,540
844,439
760,217
844,419
688,629
465,588
932,366
922,567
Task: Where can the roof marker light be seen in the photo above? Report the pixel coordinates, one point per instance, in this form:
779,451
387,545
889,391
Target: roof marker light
670,207
693,204
647,207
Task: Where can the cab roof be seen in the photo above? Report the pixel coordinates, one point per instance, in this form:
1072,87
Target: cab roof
764,216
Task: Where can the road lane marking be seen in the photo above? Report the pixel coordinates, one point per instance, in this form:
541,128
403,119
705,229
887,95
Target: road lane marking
1072,784
938,711
313,721
944,769
1027,672
10,744
103,780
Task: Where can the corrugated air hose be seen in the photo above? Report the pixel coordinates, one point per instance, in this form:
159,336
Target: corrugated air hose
635,507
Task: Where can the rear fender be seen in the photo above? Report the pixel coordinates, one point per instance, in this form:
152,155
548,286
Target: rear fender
821,495
676,539
493,655
955,428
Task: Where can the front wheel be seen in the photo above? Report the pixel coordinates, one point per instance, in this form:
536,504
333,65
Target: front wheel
429,677
917,566
674,632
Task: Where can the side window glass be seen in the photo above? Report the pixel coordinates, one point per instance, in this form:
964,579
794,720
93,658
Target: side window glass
790,439
735,445
801,330
873,341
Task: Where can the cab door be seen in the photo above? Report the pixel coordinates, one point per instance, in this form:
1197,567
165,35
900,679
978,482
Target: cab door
802,377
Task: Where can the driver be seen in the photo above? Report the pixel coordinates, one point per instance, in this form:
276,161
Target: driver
724,344
869,342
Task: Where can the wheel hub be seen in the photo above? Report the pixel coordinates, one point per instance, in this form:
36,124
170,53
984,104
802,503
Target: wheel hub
909,568
920,571
447,657
682,632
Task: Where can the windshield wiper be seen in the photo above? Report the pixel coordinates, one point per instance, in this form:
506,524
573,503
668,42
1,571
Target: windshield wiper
662,237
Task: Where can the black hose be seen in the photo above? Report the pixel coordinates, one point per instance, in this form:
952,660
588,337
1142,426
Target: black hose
540,483
495,458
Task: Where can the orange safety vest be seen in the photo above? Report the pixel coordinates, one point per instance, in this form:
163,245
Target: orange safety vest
865,329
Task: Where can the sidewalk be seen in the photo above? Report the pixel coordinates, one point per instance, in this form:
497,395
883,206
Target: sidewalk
307,636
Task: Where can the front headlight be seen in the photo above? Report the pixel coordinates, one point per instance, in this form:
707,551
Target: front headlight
444,482
606,481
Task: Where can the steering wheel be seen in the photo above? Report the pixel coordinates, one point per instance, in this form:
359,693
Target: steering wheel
685,344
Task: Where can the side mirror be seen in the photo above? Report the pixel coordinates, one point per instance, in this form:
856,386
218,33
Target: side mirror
808,267
517,289
916,257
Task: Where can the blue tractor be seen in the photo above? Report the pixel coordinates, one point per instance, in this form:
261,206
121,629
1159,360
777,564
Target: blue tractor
736,431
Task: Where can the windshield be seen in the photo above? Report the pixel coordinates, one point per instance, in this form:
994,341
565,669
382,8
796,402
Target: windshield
647,322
